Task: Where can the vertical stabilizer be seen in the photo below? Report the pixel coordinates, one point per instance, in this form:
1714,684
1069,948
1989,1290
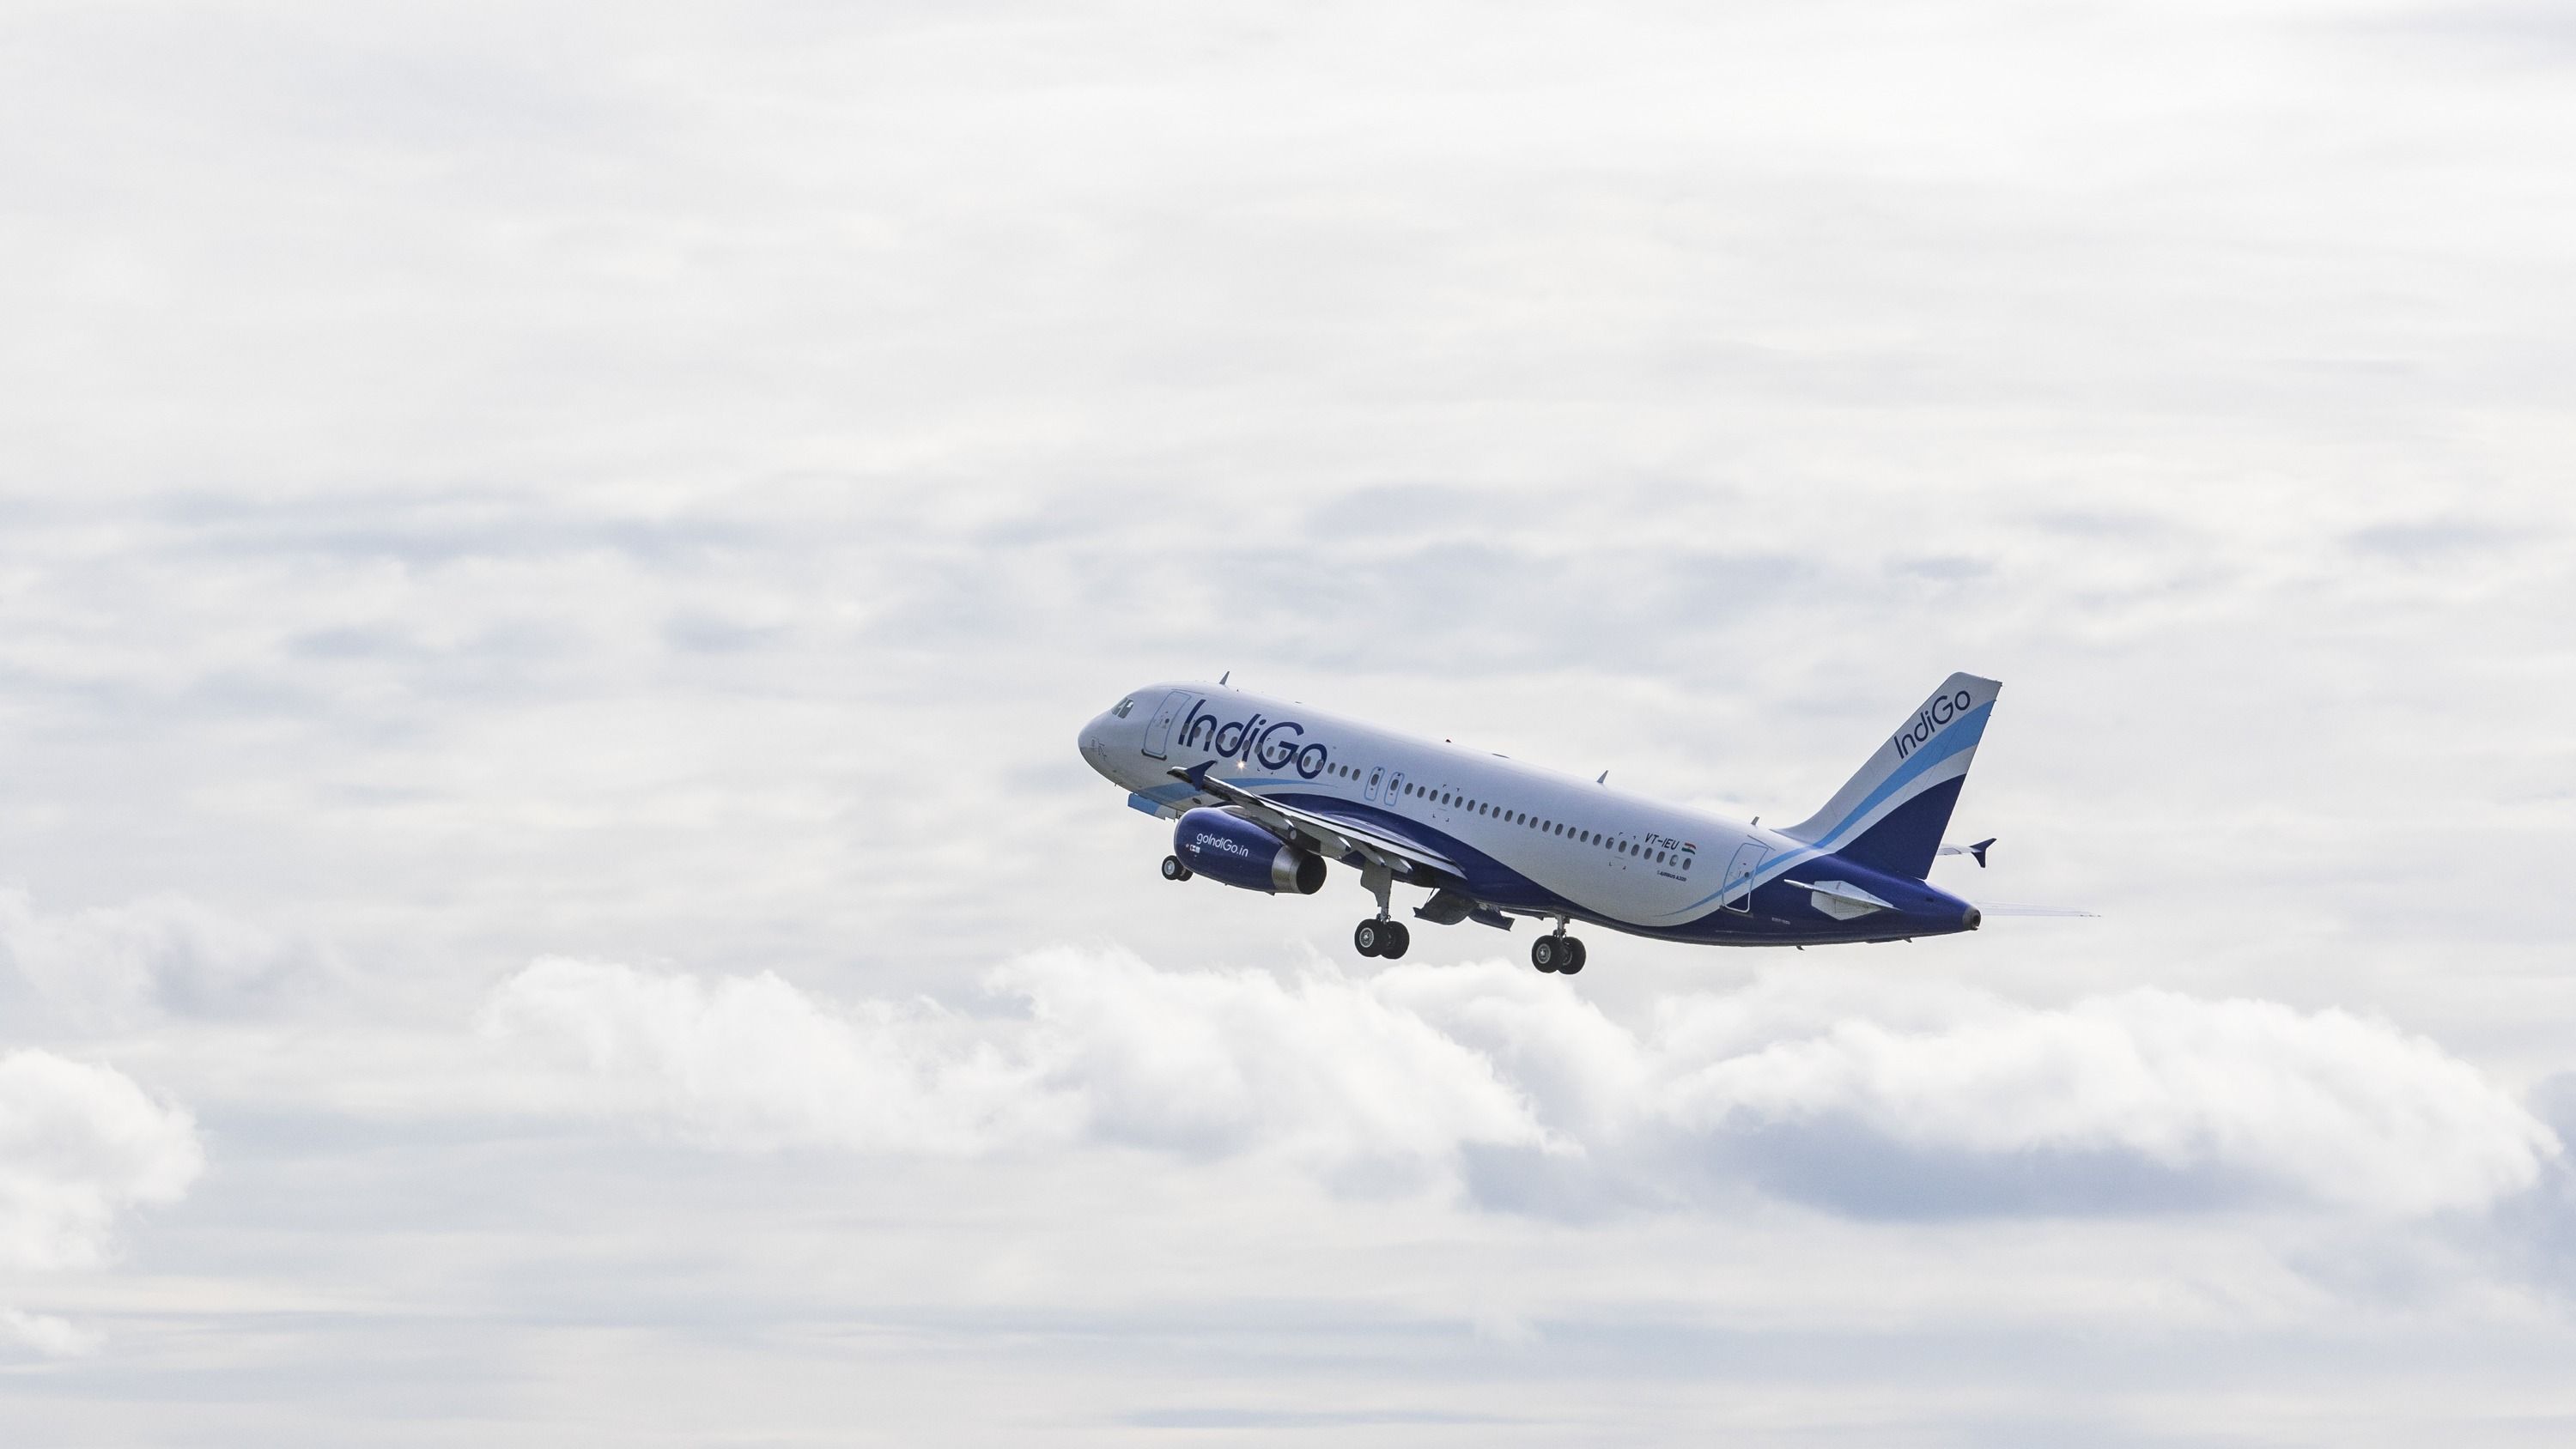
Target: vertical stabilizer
1891,815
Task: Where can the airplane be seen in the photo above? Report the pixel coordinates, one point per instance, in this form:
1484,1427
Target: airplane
1265,792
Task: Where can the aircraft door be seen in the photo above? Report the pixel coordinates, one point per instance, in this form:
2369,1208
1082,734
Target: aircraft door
1375,773
1158,735
1739,875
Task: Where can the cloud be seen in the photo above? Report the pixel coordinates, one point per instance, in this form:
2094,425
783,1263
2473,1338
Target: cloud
1849,1093
109,965
1203,1064
45,1334
2120,1100
752,1062
1323,1069
79,1145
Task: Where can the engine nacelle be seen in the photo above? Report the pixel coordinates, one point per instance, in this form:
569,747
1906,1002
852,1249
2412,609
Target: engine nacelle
1226,847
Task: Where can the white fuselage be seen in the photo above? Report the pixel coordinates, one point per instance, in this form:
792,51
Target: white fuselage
1615,857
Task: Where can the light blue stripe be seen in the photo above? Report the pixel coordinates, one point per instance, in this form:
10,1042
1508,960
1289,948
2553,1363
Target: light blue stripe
1962,735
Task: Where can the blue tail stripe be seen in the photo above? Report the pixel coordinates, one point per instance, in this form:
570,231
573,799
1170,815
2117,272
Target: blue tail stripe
1963,735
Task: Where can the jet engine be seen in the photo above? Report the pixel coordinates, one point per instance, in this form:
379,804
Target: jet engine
1223,846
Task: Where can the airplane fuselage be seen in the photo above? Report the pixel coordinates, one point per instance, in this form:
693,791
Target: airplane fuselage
1511,838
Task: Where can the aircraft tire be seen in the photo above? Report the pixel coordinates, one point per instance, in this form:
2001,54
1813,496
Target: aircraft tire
1370,938
1574,954
1546,953
1174,870
1399,939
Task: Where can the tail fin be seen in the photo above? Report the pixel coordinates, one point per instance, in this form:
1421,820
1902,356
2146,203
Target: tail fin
1890,816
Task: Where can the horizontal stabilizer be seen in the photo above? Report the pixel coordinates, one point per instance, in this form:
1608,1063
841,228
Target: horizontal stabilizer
1840,899
1976,849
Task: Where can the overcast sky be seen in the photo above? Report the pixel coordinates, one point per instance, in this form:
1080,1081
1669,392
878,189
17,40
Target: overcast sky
551,558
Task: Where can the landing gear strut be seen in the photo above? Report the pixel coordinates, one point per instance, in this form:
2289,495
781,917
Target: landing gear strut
1559,952
1378,936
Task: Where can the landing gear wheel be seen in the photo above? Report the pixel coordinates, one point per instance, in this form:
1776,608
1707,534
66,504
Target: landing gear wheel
1573,956
1547,953
1370,938
1174,870
1395,939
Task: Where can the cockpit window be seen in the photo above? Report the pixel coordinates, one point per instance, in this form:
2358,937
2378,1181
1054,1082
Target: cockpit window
1124,705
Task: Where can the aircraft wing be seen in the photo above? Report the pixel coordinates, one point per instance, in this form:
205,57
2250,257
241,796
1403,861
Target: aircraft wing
1328,835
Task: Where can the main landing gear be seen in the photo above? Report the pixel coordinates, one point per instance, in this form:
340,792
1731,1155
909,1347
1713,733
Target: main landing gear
1379,936
1174,870
1559,953
1388,939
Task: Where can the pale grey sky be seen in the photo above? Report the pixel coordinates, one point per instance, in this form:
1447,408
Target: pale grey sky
551,557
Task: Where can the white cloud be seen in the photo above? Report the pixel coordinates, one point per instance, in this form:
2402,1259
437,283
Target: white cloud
2325,1106
1323,1069
81,1144
45,1334
753,1062
1945,1100
112,965
1201,1063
